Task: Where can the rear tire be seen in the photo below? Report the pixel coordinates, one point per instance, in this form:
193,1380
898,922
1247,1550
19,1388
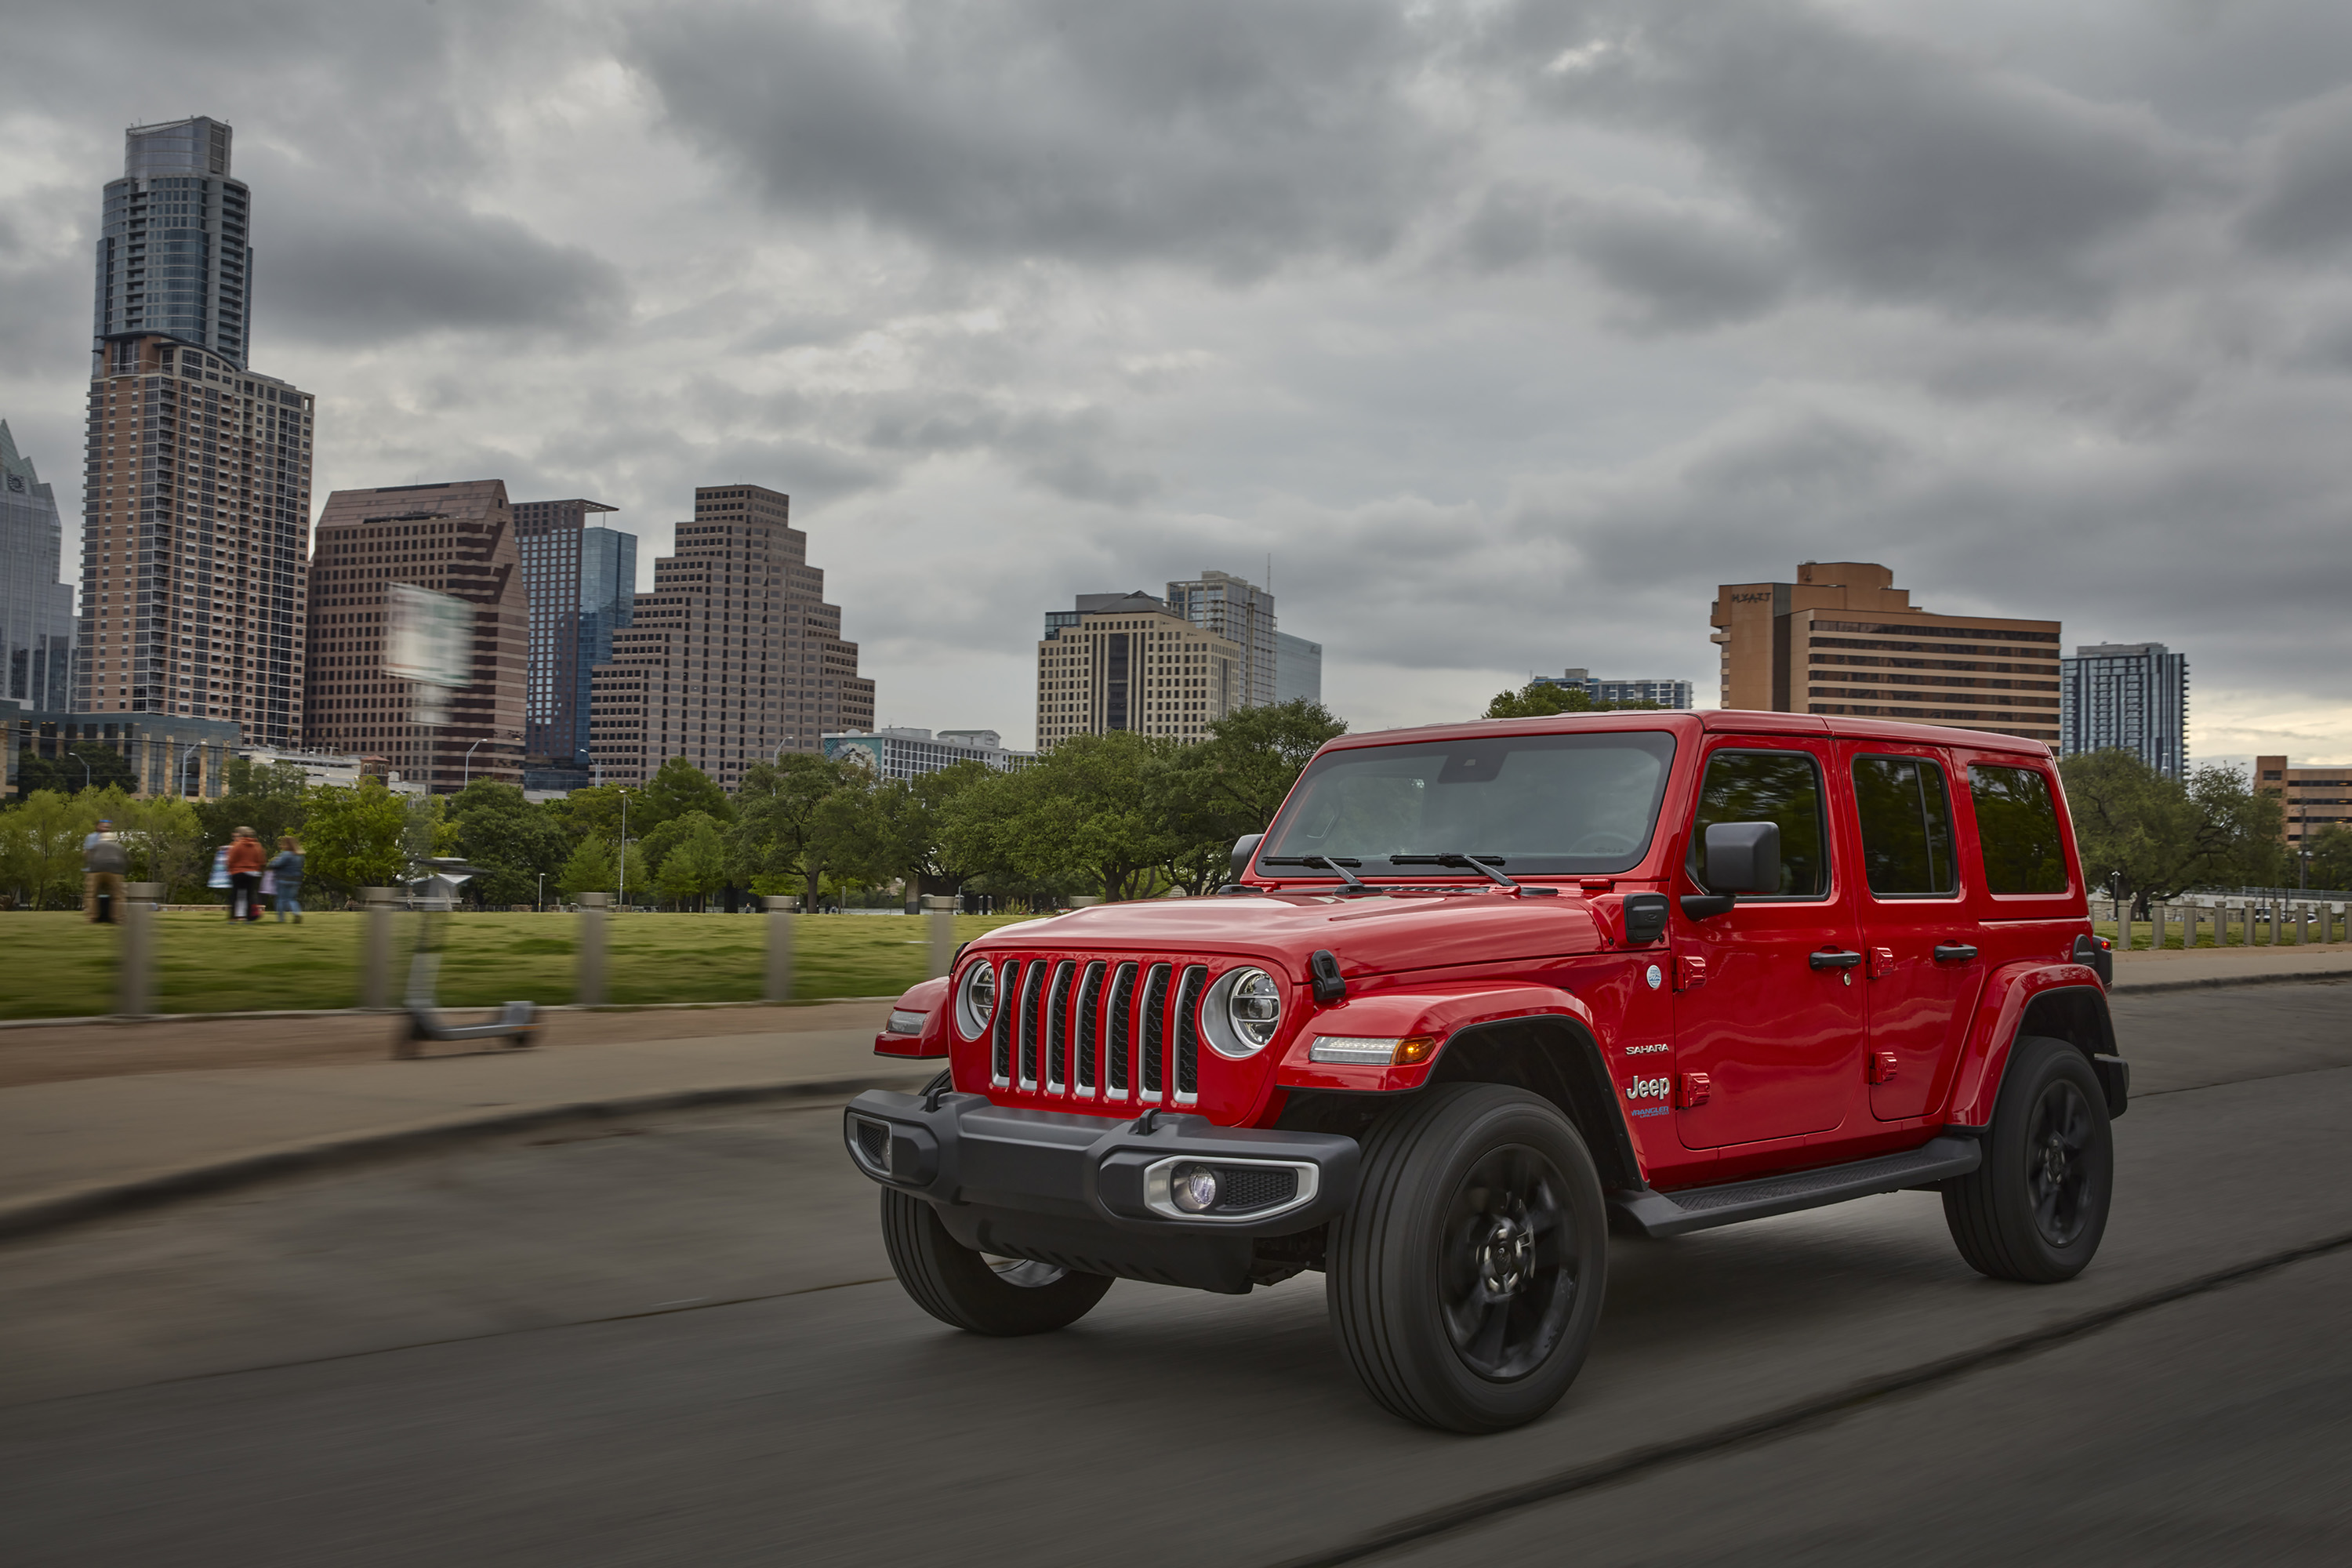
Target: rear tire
1467,1280
2036,1209
961,1288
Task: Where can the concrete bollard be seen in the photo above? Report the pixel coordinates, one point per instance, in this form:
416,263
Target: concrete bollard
135,978
375,947
2155,927
941,908
588,989
779,987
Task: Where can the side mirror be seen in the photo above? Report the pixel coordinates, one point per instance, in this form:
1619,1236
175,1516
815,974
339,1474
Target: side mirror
1245,851
1741,857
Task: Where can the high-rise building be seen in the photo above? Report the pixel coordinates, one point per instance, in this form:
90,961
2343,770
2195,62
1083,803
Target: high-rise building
196,492
1664,691
37,610
1843,638
1127,662
1298,668
583,587
457,539
1243,614
2129,695
2311,800
734,656
172,252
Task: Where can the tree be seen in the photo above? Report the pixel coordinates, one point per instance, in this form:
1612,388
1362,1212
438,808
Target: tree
1540,699
166,840
2164,835
781,829
359,837
1090,808
40,847
589,870
695,867
2331,858
636,883
85,764
1216,791
677,787
512,841
271,798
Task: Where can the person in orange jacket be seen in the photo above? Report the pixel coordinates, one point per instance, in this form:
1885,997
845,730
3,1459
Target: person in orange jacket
245,860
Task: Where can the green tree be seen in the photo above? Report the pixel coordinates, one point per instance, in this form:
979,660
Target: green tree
40,846
780,827
696,865
2331,858
512,841
2164,835
271,798
1232,783
595,812
358,836
166,841
1540,699
637,884
86,765
677,787
1091,811
590,868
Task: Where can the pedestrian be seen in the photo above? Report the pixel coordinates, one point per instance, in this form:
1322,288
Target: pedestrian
286,866
244,875
102,865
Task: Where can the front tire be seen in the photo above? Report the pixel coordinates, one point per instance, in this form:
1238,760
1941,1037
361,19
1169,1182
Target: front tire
2036,1209
1466,1282
962,1289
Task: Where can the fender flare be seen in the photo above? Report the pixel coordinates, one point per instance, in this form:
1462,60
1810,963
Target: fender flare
2009,994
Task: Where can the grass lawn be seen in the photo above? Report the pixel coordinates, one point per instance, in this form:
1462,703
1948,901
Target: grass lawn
56,964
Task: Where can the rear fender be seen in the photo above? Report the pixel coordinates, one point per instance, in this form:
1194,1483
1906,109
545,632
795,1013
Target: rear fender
2062,1000
1535,1038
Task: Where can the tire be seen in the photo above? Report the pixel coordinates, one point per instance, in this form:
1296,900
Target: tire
1467,1280
963,1289
2036,1209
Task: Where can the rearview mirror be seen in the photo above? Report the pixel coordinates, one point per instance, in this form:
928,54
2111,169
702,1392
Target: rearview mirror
1743,857
1245,851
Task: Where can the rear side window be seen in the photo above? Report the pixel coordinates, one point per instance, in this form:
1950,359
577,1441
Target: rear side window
1768,786
2017,825
1906,827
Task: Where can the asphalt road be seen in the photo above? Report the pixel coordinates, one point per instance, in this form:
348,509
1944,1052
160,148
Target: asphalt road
677,1340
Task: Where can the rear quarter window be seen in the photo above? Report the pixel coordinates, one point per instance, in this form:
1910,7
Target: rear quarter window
2017,829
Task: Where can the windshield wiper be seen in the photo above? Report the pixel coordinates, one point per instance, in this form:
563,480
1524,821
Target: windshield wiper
1482,864
1337,867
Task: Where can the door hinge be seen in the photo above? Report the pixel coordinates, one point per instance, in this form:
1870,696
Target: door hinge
1882,963
1691,1090
1690,972
1881,1066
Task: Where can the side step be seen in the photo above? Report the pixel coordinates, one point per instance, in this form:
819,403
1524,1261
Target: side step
1703,1208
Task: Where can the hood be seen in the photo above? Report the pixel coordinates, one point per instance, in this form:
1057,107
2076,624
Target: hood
1376,934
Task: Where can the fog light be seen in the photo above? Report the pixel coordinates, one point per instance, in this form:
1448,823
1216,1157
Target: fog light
1192,1188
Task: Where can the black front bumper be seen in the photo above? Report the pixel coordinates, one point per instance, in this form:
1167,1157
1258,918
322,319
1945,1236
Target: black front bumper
1089,1193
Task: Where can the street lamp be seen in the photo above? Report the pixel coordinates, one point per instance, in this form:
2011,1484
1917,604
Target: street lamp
503,735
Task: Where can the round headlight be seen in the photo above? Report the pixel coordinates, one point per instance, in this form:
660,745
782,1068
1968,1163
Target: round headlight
1254,1006
976,1000
1193,1188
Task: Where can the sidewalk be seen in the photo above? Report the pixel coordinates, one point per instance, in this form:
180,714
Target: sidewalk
2177,971
75,1147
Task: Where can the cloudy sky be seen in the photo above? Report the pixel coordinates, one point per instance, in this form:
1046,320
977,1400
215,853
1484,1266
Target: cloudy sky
1507,330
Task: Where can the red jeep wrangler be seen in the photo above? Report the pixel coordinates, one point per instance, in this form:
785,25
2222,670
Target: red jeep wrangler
1482,992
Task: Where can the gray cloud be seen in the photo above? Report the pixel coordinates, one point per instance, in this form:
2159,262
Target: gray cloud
1675,266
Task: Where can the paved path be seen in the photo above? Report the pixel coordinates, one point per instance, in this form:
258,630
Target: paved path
673,1340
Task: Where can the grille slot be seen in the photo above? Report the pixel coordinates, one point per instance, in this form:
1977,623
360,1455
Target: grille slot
1188,1033
1089,1027
1058,1029
1152,1048
1032,987
1118,1046
999,1065
874,1143
1249,1187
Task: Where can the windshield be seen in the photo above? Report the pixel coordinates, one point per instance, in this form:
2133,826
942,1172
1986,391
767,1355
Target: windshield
1580,804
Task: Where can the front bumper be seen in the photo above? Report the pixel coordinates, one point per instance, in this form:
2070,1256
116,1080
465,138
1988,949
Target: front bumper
1090,1193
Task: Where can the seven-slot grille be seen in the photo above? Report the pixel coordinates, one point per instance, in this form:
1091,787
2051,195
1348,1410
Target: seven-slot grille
1109,1030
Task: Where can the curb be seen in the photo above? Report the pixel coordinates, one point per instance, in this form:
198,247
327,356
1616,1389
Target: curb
82,1019
2294,976
71,1206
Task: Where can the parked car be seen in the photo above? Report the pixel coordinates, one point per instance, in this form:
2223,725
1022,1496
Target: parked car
1483,992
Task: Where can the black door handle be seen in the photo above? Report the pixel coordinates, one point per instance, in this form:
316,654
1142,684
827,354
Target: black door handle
1954,952
1833,960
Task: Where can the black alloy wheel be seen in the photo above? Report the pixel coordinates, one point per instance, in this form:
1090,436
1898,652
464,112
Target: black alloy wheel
2036,1207
1465,1280
1508,1277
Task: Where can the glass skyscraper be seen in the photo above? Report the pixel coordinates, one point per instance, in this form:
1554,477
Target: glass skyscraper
1243,614
36,611
582,582
173,259
2133,696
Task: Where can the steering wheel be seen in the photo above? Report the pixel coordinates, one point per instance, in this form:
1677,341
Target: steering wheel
1603,844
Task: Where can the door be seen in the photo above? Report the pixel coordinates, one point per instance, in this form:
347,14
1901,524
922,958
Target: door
1921,939
1776,1024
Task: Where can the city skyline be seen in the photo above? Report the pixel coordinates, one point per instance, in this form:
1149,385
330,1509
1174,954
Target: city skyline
1602,344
